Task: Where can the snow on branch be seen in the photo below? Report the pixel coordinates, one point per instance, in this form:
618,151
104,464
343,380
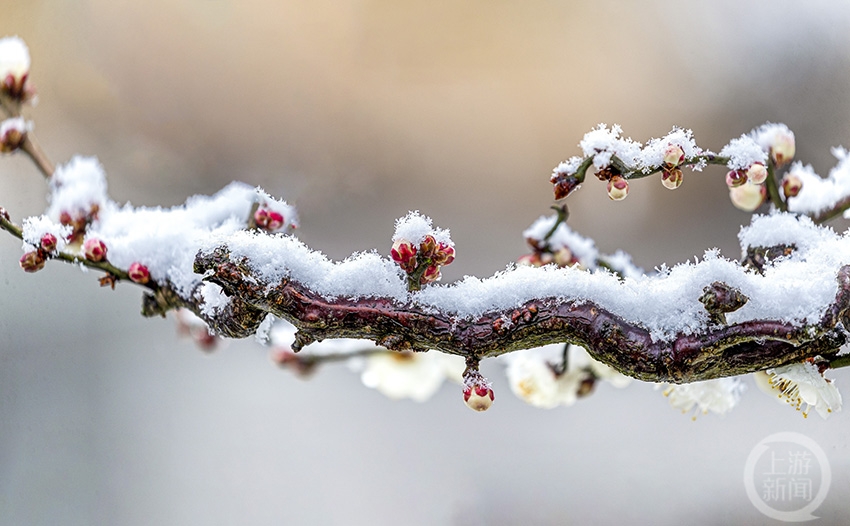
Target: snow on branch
231,259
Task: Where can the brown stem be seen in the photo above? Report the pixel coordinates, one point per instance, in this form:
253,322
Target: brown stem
33,149
719,351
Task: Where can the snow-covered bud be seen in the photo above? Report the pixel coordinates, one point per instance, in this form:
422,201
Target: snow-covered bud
748,197
618,188
139,273
477,393
268,220
404,253
12,134
782,149
757,173
673,155
32,261
445,254
672,179
14,66
432,273
735,178
48,242
94,250
564,257
530,260
791,185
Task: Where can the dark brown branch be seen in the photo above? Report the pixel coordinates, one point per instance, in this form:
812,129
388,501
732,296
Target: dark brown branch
718,352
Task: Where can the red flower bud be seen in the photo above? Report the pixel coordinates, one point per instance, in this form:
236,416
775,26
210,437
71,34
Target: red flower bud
268,220
432,273
735,178
139,273
404,253
478,396
94,249
445,254
48,242
32,261
791,185
618,188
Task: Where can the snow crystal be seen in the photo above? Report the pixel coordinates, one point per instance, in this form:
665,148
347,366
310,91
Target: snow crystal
76,186
817,194
214,298
767,134
621,263
14,57
743,152
414,227
36,227
602,143
569,167
583,249
17,123
276,205
652,155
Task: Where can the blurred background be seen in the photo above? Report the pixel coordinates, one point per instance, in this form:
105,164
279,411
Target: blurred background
357,111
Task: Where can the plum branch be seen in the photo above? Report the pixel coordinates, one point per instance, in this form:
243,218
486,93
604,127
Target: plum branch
231,260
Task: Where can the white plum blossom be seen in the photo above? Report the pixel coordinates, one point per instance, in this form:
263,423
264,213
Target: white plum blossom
717,396
414,375
534,378
802,386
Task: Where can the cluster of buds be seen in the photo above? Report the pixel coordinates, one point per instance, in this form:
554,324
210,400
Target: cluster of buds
268,220
543,254
15,69
79,221
477,391
34,260
746,187
12,134
671,174
423,263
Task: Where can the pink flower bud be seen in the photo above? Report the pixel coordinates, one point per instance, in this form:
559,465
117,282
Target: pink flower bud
618,188
529,260
139,273
783,148
748,197
268,220
735,178
445,254
94,250
478,397
671,179
791,185
32,261
404,253
757,173
673,155
564,257
432,273
48,242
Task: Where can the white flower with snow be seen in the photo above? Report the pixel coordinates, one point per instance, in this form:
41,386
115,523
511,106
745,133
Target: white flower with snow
414,375
14,62
802,386
718,396
533,378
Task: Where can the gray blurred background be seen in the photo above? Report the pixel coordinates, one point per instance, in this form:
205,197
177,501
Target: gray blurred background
358,111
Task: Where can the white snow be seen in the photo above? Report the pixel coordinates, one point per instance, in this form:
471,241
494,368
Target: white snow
819,194
35,227
414,227
743,152
76,186
14,58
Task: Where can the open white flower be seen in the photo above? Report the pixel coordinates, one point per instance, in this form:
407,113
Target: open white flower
533,378
414,375
718,396
802,386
